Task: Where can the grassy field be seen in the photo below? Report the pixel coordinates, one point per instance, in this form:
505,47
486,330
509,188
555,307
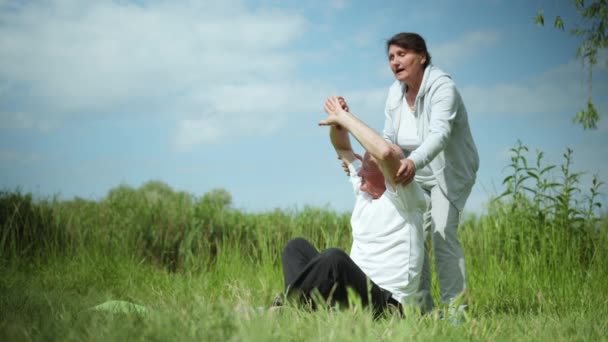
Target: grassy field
200,270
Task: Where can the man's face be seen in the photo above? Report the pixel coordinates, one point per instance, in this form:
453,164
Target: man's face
372,179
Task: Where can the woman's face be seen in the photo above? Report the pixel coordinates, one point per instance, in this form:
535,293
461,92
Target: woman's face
407,65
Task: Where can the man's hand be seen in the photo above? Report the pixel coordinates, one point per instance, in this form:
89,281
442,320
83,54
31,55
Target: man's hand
406,172
345,166
343,103
344,106
334,109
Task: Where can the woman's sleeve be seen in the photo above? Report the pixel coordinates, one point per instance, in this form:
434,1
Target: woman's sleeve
445,102
388,133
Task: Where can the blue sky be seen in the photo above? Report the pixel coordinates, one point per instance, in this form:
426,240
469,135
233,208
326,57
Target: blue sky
227,94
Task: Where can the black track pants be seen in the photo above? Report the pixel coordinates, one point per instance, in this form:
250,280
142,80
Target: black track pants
331,272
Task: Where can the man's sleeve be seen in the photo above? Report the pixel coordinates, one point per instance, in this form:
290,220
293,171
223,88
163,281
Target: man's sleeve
410,197
354,178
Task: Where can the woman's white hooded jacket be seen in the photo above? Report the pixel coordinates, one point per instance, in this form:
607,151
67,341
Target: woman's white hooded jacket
447,145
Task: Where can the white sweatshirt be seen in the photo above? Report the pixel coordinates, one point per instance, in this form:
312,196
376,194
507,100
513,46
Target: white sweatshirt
388,239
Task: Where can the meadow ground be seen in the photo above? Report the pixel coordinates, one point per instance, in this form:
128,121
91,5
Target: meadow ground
194,268
52,300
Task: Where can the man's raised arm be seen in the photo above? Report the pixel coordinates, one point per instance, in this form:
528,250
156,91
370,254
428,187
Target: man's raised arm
388,155
341,142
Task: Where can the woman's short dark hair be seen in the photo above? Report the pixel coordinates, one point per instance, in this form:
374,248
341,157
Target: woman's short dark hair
410,41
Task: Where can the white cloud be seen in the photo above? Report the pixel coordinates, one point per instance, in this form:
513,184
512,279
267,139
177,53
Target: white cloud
18,120
246,109
368,105
195,131
64,59
364,38
562,89
11,156
518,99
462,48
339,4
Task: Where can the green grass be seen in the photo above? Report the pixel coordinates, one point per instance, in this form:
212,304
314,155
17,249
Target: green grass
51,300
536,268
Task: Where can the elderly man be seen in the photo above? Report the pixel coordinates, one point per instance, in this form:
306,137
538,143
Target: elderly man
387,253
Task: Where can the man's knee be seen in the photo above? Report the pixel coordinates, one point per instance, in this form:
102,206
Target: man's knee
335,256
296,244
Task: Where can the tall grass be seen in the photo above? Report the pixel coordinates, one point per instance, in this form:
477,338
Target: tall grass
157,225
536,260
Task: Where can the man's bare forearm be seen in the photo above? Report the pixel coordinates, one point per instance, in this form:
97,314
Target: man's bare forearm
386,154
341,142
369,139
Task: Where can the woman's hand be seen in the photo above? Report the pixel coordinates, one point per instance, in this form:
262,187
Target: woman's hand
406,172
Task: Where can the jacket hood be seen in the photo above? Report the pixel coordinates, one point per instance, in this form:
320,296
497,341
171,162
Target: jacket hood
431,75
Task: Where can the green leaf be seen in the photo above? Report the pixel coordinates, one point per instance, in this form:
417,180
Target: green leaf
533,175
521,180
548,168
559,23
506,193
119,306
539,19
588,117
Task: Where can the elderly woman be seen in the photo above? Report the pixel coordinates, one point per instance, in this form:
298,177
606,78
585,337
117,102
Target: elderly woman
426,117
